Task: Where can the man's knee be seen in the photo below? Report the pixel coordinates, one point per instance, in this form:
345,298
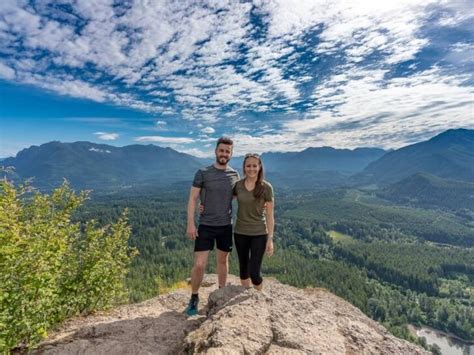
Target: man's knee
200,260
222,258
199,267
200,264
222,262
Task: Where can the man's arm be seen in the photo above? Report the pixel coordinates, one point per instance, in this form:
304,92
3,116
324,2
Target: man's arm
191,229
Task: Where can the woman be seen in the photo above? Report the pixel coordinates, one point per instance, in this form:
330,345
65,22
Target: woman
253,232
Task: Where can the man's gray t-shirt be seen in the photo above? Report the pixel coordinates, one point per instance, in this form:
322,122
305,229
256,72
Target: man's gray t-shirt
216,194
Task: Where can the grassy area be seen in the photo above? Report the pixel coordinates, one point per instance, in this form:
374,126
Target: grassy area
340,237
459,288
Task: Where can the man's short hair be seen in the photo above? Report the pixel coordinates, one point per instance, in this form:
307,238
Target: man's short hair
224,140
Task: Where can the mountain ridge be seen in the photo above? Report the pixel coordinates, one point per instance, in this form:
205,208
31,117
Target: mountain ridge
322,159
449,155
91,165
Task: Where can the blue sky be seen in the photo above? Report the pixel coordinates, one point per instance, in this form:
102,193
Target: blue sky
274,75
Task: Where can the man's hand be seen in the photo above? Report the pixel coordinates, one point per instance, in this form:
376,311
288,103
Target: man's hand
201,208
192,232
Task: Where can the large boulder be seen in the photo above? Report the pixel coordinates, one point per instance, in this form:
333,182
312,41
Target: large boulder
279,320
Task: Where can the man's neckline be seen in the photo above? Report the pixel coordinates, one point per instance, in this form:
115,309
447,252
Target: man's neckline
223,169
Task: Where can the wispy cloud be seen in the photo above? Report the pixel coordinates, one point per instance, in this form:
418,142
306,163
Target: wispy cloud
6,72
161,139
107,136
208,130
100,150
344,72
198,152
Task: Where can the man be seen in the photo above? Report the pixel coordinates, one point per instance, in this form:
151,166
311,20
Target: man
213,185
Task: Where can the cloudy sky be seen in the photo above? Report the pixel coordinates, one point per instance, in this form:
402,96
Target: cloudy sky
275,75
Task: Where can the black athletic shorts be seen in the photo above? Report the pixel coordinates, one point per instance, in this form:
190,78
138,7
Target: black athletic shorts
207,234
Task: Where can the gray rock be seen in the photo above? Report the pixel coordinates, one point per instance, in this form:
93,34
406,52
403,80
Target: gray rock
278,320
286,320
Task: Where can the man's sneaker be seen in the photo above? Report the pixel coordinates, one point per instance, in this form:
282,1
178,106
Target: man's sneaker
192,308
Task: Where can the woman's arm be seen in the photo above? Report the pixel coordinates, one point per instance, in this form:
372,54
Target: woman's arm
270,226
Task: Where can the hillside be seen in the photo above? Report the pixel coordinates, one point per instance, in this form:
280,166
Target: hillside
322,159
89,165
280,320
448,155
425,190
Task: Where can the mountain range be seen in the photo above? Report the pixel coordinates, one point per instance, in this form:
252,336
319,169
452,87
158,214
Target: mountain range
322,159
90,165
449,155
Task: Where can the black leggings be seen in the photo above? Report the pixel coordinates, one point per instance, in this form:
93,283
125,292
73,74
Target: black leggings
250,249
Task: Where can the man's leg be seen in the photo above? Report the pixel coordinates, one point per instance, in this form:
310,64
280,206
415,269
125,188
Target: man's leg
197,274
222,258
224,247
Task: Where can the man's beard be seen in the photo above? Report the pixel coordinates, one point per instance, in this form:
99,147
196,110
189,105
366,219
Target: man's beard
222,160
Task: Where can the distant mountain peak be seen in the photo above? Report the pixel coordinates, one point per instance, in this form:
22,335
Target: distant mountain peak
448,155
454,134
101,166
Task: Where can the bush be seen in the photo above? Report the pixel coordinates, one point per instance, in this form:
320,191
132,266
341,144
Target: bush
52,268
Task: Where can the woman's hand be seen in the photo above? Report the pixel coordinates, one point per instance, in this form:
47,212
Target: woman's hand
269,247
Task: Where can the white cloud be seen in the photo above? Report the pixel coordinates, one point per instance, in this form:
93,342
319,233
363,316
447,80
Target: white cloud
458,11
160,125
107,136
6,72
209,63
460,54
365,109
280,142
208,130
161,139
99,150
197,152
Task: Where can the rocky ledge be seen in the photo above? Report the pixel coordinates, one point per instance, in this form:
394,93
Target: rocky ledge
279,320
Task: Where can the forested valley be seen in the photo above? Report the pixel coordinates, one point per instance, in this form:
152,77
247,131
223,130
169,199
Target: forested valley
399,265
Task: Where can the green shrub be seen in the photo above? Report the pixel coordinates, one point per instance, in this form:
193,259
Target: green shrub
52,268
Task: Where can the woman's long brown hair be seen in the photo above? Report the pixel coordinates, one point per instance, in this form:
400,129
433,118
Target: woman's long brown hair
259,189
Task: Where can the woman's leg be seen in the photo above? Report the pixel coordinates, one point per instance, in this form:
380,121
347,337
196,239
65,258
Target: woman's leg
257,249
242,244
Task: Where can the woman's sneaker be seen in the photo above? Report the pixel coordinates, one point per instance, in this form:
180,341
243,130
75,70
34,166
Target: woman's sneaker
192,308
